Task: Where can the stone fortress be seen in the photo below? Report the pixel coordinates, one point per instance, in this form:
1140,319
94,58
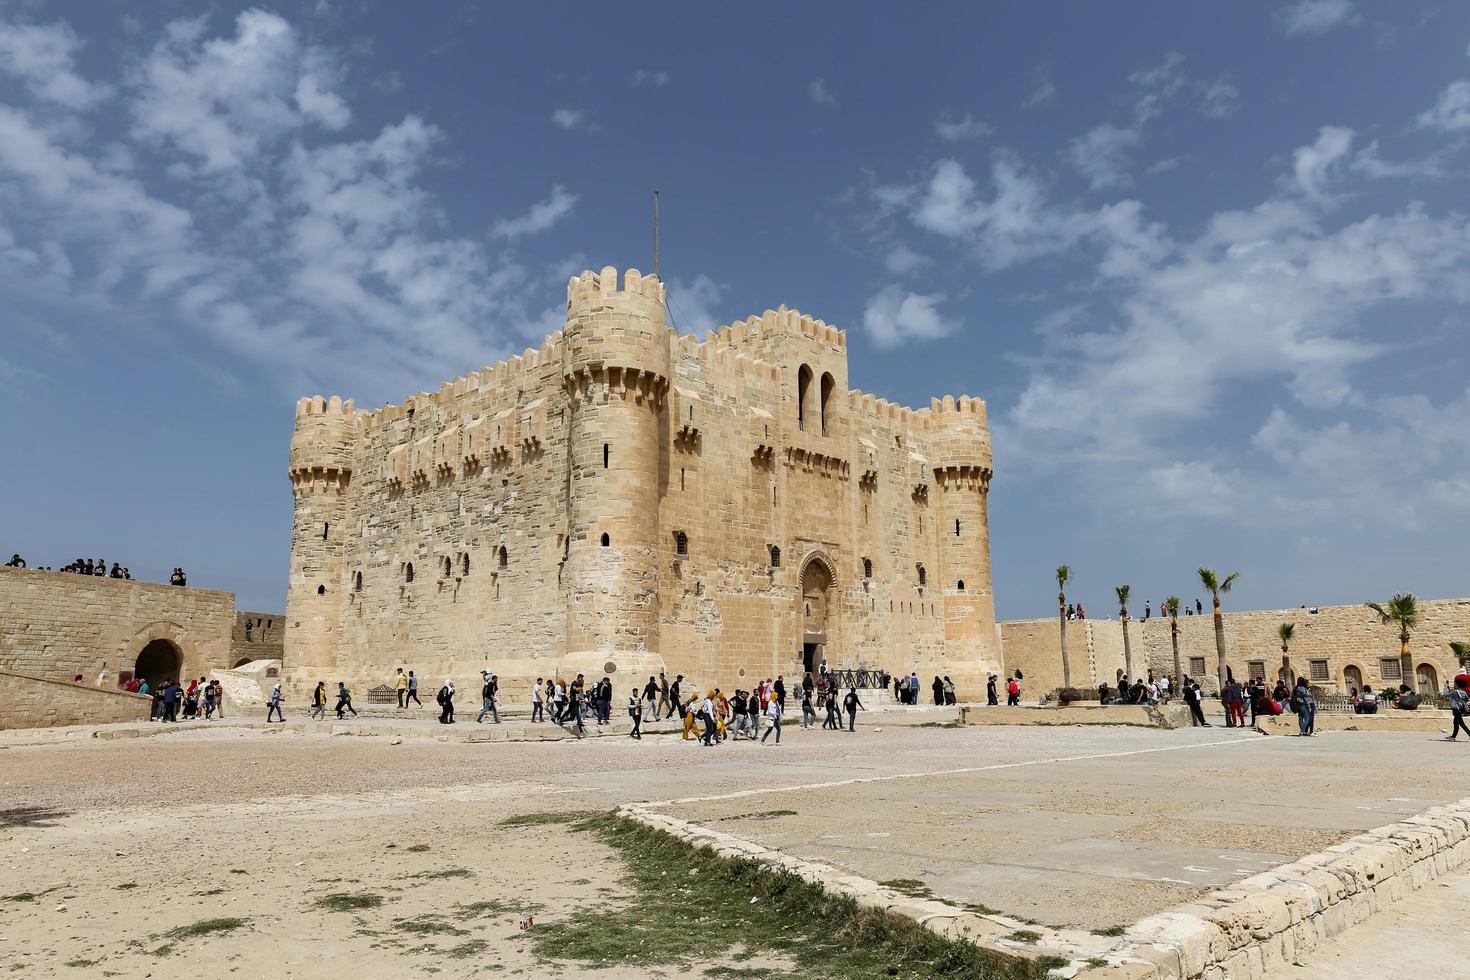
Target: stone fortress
628,500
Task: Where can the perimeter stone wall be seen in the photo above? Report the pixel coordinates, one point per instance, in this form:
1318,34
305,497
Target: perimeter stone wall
40,702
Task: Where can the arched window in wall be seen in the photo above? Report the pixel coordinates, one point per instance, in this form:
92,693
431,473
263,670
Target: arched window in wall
681,543
775,557
464,564
606,539
867,568
504,557
408,572
923,577
828,383
803,394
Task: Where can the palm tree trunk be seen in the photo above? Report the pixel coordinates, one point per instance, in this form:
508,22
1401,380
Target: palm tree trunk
1062,619
1286,668
1128,652
1407,661
1220,642
1174,639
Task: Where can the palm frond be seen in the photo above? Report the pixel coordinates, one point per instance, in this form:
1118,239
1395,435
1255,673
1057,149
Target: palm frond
1285,631
1209,579
1229,581
1172,604
1123,593
1460,649
1064,574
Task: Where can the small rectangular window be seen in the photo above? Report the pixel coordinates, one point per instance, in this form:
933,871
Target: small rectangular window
1257,669
1197,665
1318,670
1390,668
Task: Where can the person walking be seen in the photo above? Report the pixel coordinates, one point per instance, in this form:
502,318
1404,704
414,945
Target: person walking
319,702
773,715
808,713
938,688
1013,691
172,693
413,691
672,697
344,701
219,700
209,690
635,712
650,695
829,705
949,697
445,698
852,704
1192,698
1459,705
274,705
914,688
401,684
1304,703
538,710
707,716
780,688
665,705
490,687
992,697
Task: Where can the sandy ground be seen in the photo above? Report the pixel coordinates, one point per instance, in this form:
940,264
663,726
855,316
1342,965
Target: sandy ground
123,841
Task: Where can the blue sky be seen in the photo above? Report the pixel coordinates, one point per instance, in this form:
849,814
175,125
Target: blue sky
1207,263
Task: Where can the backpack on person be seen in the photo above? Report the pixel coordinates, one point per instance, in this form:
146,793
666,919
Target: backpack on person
442,696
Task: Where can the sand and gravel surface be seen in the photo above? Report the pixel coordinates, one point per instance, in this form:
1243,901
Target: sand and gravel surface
120,844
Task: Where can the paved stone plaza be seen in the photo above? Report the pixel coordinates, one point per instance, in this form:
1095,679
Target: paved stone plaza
1087,827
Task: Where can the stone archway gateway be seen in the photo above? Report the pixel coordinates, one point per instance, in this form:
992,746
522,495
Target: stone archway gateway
159,660
816,588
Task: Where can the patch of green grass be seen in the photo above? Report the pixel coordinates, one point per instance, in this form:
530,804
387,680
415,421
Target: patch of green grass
748,973
446,873
1096,961
1113,931
427,925
346,902
939,724
417,848
163,950
495,906
544,819
19,897
79,964
1024,936
206,927
765,815
465,950
127,885
676,891
979,908
912,887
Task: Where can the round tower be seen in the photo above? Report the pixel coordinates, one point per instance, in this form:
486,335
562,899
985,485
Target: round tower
960,454
616,368
322,450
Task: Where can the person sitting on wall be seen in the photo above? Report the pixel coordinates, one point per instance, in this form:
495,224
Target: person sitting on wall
127,575
1406,699
100,569
116,571
1104,693
16,561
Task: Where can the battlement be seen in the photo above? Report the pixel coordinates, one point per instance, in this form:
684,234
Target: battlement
321,406
952,409
601,288
753,330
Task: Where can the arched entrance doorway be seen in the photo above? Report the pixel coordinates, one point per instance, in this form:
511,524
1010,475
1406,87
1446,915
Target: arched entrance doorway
1352,677
159,661
1428,679
816,584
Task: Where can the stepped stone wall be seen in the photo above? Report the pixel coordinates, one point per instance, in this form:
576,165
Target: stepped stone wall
41,702
1336,647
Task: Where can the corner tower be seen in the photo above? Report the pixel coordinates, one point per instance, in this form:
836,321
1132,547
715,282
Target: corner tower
960,454
616,372
322,450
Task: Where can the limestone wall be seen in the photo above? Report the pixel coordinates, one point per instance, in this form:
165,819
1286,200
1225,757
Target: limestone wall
40,702
1340,639
57,625
257,636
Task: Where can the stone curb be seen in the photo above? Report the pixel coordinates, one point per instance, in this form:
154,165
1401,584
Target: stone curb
1241,932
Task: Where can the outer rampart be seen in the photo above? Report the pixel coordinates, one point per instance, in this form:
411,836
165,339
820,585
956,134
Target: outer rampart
40,702
1346,643
622,495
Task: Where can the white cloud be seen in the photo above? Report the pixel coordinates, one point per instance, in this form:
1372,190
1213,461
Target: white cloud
43,56
224,100
1313,166
1043,89
645,77
955,130
1311,17
693,303
1103,153
1219,99
894,315
901,260
543,215
569,119
819,93
1451,112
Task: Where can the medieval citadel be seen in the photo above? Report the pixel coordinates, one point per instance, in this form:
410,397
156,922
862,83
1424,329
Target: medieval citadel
625,499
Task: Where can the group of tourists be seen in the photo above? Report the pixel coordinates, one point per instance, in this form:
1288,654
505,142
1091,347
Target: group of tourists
1012,686
1148,609
80,566
172,701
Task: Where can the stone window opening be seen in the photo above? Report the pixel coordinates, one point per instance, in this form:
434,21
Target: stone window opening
828,383
357,581
504,557
773,495
606,539
1197,666
1319,672
325,528
803,385
1390,668
867,568
956,527
606,454
1256,669
321,590
960,585
923,576
447,566
775,557
681,543
681,478
408,572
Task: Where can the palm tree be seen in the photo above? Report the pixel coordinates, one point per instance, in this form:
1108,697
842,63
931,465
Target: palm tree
1123,592
1401,611
1216,585
1171,606
1285,631
1064,574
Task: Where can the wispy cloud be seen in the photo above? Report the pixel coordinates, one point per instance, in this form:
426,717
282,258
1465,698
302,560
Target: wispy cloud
541,216
894,315
820,93
43,56
1451,112
645,77
957,129
1043,89
1312,17
572,119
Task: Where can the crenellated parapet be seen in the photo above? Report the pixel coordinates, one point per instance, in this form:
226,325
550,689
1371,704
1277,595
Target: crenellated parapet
617,338
757,329
959,441
323,444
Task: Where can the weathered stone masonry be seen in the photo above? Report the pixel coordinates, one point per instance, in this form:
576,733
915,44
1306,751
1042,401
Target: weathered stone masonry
625,496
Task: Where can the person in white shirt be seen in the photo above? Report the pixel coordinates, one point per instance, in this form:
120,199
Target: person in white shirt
773,715
538,711
707,715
